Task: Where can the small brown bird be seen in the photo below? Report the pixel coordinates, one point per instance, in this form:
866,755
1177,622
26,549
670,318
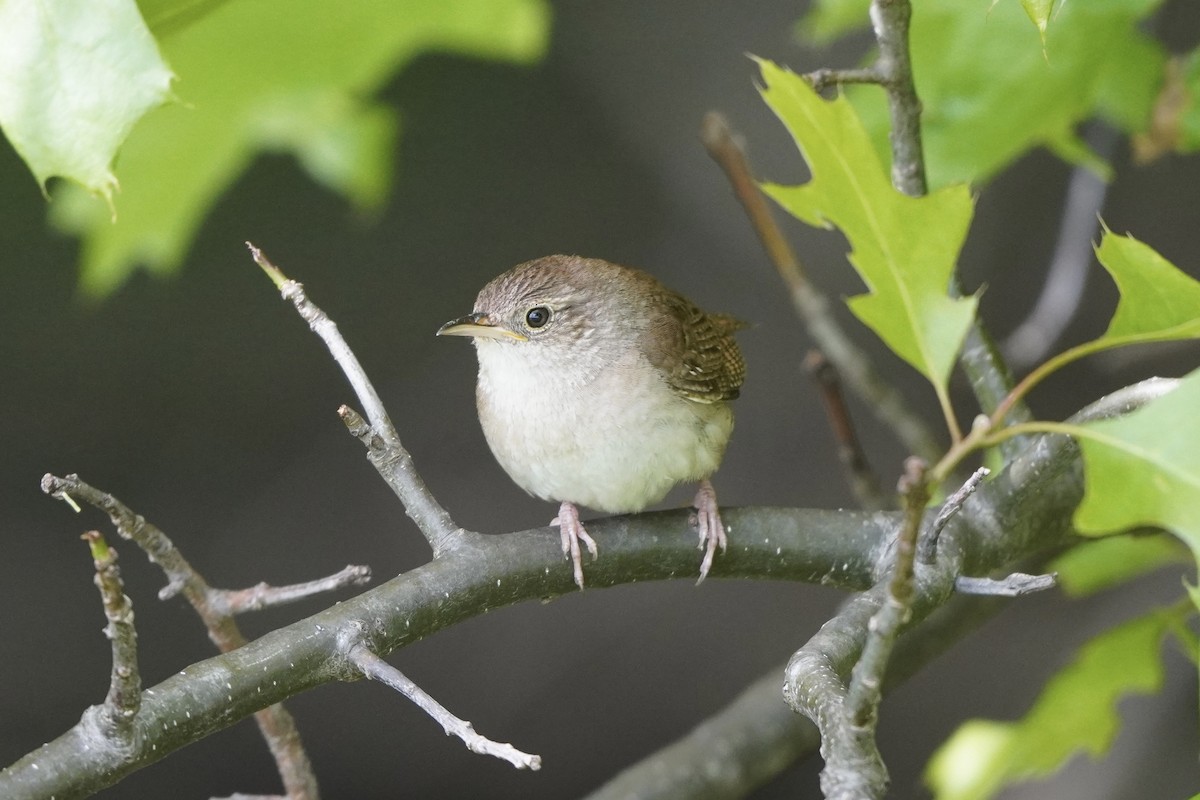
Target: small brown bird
598,386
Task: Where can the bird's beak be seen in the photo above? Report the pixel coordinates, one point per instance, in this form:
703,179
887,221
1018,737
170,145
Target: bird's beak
481,326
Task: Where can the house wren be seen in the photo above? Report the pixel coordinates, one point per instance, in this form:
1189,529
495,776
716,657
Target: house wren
598,386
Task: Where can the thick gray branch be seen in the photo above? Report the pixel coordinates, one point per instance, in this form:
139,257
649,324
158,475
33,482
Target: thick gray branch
1024,512
827,547
757,736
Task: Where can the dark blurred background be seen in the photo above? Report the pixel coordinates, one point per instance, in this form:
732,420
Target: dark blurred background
205,404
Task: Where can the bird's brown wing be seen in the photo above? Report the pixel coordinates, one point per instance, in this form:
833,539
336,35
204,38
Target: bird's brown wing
697,351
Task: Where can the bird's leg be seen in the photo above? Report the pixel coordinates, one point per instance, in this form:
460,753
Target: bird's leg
709,526
572,534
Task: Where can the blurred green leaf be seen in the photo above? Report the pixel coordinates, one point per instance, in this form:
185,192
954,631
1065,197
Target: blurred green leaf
904,248
164,16
1175,119
276,76
74,78
1094,566
1189,125
1075,712
992,91
828,20
1143,469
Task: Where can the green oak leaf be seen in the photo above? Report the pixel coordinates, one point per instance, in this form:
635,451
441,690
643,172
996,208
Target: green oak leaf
1159,302
992,94
1075,712
74,79
1143,469
904,248
288,76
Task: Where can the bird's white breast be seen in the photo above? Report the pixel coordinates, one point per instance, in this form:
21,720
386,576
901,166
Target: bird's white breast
612,436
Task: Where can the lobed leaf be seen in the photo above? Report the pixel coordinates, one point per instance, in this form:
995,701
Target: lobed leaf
1159,302
74,79
1076,711
290,76
904,248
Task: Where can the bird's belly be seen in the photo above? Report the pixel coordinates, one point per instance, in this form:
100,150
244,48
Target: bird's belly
608,445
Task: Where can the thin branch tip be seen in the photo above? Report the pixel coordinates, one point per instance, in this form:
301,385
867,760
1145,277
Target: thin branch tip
98,546
355,423
716,133
855,464
370,665
927,546
124,698
273,272
236,601
822,79
384,450
274,722
56,487
1017,584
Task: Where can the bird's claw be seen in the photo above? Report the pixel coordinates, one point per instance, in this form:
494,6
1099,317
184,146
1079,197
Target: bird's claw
572,533
709,526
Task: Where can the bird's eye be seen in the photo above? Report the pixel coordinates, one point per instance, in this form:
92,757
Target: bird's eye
537,316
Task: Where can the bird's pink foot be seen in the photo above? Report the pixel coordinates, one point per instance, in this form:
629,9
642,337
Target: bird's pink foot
709,526
573,533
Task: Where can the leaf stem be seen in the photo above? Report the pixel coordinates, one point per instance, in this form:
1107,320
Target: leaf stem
952,425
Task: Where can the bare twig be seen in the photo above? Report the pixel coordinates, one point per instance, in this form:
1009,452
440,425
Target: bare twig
125,686
811,306
894,66
821,79
274,722
394,463
1015,585
927,546
866,680
375,668
862,479
256,598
